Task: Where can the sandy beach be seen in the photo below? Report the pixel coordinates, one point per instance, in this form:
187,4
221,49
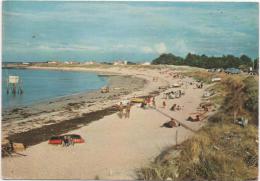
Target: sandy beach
114,146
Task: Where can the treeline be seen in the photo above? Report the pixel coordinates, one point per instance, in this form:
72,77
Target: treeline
203,61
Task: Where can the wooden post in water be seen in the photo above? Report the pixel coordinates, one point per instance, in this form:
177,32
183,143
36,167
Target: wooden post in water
13,85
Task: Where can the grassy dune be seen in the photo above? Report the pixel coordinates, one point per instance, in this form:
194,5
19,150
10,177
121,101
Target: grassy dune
221,150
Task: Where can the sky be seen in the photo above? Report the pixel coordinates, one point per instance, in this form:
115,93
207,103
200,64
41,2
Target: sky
133,31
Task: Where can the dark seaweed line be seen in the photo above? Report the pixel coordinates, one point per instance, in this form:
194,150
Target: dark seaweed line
38,135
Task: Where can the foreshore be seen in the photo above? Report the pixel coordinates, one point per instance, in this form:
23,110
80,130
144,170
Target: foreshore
22,120
114,147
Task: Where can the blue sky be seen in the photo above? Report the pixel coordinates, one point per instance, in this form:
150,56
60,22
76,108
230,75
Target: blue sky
135,31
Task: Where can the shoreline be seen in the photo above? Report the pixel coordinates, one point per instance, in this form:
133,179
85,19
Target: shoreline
51,112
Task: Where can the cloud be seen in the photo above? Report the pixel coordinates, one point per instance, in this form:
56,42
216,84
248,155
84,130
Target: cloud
181,47
52,47
160,48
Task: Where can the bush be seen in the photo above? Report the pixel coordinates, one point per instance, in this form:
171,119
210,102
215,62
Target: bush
221,152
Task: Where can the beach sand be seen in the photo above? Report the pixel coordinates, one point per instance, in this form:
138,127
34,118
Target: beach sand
114,147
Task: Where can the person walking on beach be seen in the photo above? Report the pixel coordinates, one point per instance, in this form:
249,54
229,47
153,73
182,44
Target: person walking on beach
154,104
121,109
128,109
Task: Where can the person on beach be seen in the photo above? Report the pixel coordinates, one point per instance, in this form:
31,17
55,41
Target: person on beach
128,109
178,108
173,107
121,109
164,104
65,141
143,105
197,118
71,142
154,104
170,124
148,100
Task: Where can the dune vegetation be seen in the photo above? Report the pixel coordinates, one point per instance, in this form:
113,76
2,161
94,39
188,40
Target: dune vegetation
221,150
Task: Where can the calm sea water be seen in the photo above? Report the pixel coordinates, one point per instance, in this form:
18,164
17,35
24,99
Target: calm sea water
42,85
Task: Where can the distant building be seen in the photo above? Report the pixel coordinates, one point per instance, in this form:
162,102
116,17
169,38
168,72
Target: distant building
120,62
71,62
90,63
146,63
52,62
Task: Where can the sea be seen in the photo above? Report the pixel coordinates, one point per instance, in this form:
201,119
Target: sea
44,85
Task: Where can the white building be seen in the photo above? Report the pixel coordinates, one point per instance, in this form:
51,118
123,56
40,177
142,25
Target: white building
146,63
90,63
52,62
70,62
120,62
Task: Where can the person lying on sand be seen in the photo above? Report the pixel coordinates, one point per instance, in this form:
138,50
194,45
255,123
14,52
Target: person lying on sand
193,119
175,107
205,108
170,124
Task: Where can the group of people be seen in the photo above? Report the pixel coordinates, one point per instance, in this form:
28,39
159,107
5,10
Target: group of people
175,107
124,111
149,101
173,94
67,141
194,119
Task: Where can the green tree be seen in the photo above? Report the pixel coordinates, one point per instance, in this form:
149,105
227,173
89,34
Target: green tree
203,61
